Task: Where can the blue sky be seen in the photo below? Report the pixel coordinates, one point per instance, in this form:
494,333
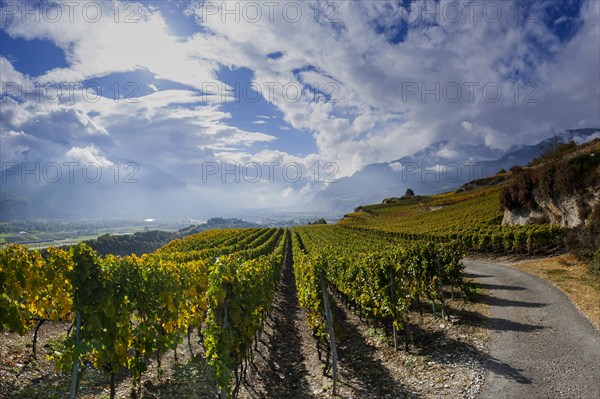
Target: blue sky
177,84
32,57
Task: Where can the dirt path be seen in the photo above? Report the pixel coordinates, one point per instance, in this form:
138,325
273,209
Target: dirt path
541,346
286,364
364,371
444,359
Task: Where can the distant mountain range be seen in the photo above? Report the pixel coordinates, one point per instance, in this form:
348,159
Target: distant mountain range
433,170
38,189
43,189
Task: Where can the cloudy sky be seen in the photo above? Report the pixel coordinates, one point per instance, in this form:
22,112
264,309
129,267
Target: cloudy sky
182,85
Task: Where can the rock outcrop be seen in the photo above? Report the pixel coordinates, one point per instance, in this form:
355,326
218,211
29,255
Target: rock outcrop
568,211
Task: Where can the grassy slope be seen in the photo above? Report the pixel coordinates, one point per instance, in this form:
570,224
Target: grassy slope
572,277
558,172
441,213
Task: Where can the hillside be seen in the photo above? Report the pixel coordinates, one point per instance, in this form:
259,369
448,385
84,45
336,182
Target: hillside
149,241
473,218
561,187
434,215
441,167
476,214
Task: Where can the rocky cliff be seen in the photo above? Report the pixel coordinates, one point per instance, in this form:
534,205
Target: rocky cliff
569,211
560,187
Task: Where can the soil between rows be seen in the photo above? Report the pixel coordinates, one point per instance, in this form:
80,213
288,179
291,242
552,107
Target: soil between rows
445,359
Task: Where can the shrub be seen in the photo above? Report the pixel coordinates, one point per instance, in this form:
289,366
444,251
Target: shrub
519,193
583,242
516,169
594,218
595,263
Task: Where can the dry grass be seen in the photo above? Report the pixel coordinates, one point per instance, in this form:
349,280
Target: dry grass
572,277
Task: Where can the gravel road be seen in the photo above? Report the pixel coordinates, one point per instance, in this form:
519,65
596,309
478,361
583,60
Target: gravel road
541,346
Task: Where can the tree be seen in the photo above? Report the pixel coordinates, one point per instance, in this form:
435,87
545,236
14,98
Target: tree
409,192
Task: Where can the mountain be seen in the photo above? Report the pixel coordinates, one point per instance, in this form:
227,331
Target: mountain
41,189
433,170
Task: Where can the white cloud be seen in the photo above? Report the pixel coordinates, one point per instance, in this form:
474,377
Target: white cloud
88,155
14,143
12,81
98,48
396,166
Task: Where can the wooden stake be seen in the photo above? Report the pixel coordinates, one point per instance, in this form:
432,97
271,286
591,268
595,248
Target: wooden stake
393,293
75,372
329,318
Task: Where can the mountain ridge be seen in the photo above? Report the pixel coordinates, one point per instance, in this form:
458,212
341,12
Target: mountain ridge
427,172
